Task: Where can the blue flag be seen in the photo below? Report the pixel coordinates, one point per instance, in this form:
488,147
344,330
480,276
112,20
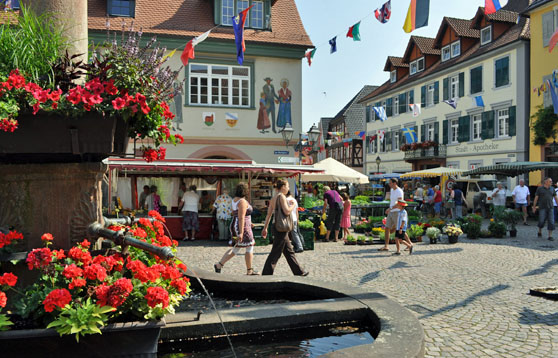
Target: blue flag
452,102
380,113
410,135
238,26
477,101
333,44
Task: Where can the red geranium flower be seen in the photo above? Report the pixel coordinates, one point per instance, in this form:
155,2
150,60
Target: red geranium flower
8,125
179,138
110,88
74,95
39,258
154,214
59,254
72,271
47,237
77,254
77,282
115,294
85,244
161,153
3,299
57,298
8,279
157,295
150,155
6,239
118,103
95,272
180,285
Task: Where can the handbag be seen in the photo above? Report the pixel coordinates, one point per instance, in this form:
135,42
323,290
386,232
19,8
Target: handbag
339,205
283,223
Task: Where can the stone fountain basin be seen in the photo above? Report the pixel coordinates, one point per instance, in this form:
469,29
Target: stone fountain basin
396,330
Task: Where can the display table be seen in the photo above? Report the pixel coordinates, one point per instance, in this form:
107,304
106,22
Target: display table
174,224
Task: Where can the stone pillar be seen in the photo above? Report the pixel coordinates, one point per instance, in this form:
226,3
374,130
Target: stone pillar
71,16
61,199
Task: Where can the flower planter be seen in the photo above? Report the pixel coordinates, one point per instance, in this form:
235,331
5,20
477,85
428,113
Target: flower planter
308,236
513,233
350,242
453,239
118,339
54,138
433,240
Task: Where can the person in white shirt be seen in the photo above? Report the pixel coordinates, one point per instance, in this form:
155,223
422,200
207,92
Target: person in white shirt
499,196
189,205
395,194
521,199
295,236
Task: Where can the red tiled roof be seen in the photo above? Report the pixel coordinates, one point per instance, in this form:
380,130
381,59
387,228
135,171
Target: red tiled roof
189,18
395,62
424,44
460,26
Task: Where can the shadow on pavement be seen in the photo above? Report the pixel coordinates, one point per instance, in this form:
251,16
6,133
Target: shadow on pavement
467,301
528,316
544,268
374,275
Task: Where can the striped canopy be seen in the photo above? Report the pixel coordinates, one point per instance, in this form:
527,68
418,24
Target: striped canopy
512,169
434,172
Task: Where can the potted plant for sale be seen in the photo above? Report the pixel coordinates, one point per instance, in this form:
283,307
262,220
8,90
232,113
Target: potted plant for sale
122,294
433,233
472,226
453,231
497,228
415,232
511,218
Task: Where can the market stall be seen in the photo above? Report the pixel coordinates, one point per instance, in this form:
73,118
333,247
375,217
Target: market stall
333,171
512,169
127,177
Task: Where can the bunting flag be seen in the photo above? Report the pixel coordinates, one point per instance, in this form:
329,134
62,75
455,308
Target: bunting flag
310,55
380,113
417,16
415,108
553,41
554,96
491,6
384,13
188,52
361,134
238,26
452,102
354,32
478,101
381,135
336,134
410,135
333,44
346,144
373,138
329,142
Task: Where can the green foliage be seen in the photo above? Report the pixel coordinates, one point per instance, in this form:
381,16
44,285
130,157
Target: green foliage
360,200
4,322
351,238
415,231
33,45
433,232
497,228
472,225
375,219
414,213
312,202
82,319
485,234
543,124
511,217
306,225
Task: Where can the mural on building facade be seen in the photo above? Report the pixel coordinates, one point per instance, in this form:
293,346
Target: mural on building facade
231,119
263,118
285,96
208,118
271,99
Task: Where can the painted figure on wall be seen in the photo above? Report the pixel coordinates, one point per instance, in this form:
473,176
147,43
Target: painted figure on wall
271,99
263,118
177,104
284,115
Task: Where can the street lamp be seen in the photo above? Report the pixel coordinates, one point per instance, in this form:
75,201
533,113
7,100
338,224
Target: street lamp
378,161
313,135
287,134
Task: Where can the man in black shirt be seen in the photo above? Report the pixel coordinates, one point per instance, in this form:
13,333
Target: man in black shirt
544,197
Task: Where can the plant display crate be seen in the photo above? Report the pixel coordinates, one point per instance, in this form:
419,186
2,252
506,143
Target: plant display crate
308,236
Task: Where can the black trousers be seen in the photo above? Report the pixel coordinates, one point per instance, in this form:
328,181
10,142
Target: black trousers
281,245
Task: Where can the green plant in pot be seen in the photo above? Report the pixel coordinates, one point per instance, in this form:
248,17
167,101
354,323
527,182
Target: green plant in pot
512,218
433,233
472,226
415,232
351,240
497,228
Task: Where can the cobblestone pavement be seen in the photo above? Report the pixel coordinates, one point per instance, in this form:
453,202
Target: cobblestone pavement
472,297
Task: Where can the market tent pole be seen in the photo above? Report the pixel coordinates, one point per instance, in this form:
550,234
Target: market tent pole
249,187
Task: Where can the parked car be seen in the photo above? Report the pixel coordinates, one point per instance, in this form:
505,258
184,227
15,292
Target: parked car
472,187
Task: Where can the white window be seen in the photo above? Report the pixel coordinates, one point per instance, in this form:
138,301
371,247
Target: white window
454,131
413,67
219,85
242,5
454,87
477,126
420,64
430,131
503,122
257,15
430,95
393,76
227,11
395,145
446,54
455,49
486,35
395,106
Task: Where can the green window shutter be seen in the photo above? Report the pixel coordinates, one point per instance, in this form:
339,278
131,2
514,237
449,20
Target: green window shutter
216,12
487,125
411,97
389,107
502,67
422,132
423,96
416,131
476,80
267,15
368,116
388,141
436,92
445,129
403,103
512,120
133,8
446,89
464,129
437,132
461,84
109,7
548,27
402,138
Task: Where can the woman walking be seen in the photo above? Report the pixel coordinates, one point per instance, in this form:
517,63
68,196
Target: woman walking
241,229
346,218
281,242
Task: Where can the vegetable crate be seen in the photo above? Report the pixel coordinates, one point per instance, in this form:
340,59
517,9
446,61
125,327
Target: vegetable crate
308,236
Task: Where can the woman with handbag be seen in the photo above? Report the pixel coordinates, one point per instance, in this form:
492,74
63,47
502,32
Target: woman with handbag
241,229
282,225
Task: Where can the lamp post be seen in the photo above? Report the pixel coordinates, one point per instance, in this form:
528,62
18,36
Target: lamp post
313,135
287,134
378,161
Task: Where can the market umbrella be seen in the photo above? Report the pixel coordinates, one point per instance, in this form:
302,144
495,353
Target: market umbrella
434,172
336,172
512,169
384,176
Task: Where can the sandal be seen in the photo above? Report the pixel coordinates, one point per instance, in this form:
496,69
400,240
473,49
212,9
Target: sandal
218,269
252,272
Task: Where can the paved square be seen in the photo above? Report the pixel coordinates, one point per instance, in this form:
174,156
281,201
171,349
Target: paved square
472,298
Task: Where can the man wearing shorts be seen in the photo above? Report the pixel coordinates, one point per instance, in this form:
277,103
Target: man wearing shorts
189,204
392,213
544,197
333,200
521,199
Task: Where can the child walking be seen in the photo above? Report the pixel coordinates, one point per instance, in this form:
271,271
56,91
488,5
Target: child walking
401,228
346,218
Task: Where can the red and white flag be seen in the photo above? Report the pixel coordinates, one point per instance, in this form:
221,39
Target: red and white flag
188,52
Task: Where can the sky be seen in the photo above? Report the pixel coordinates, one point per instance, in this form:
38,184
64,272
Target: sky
334,79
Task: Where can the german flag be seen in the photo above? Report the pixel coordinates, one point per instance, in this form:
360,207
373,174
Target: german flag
417,16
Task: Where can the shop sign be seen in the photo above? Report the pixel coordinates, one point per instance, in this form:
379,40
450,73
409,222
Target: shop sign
288,160
476,148
281,152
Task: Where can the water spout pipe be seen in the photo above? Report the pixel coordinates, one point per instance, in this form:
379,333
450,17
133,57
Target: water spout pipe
97,230
125,220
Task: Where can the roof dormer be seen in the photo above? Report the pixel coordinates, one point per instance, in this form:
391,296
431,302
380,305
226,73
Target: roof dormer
455,36
492,26
396,67
420,54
